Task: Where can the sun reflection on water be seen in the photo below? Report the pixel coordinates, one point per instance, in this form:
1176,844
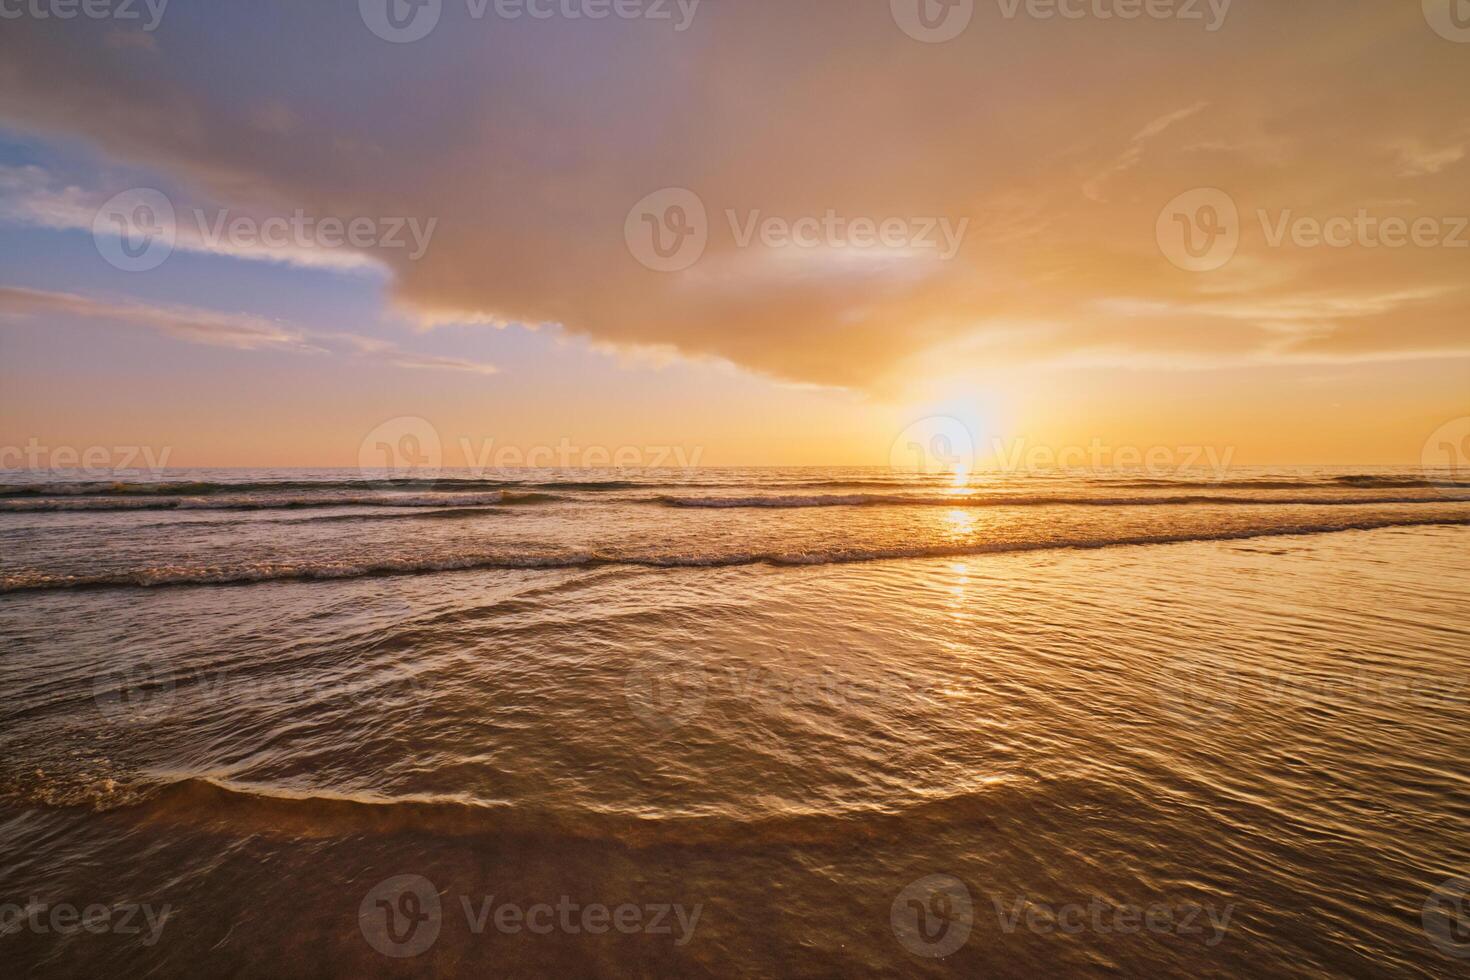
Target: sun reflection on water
960,485
959,523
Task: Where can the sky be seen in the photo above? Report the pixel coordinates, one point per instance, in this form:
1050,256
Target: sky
760,232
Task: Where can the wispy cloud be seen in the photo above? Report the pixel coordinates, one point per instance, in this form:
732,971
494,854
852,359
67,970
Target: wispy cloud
1312,307
236,331
372,348
31,195
1419,160
1130,157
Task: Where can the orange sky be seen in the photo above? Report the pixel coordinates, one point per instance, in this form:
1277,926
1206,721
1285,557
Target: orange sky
990,228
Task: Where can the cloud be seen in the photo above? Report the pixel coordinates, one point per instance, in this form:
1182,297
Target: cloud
530,141
32,195
1130,157
1418,160
236,331
386,352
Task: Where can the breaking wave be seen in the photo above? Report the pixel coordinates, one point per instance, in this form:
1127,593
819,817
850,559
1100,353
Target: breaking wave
197,801
185,575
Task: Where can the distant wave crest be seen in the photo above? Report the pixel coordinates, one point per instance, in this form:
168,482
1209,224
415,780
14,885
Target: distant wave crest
296,501
175,575
783,501
183,488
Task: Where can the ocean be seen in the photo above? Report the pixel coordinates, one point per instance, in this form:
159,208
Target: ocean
775,722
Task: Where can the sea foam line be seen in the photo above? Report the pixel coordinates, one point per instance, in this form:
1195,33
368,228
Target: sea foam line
31,581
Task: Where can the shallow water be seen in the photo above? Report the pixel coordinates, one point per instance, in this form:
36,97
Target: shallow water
827,721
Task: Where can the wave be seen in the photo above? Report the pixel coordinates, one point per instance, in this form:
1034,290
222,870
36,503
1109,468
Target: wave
447,513
292,502
433,514
1017,500
170,575
205,802
512,497
181,488
1360,481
